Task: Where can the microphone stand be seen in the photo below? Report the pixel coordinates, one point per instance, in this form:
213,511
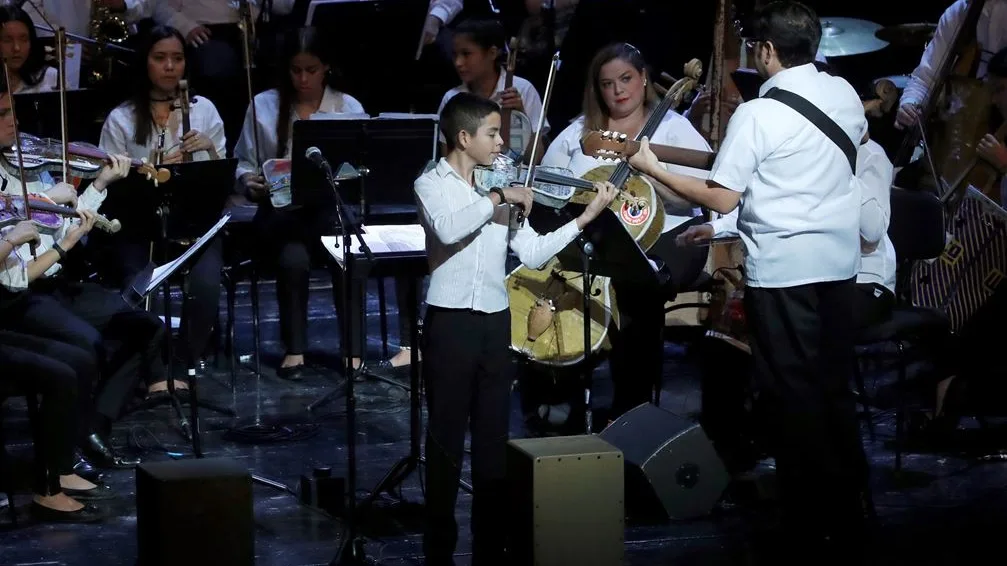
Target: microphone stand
351,549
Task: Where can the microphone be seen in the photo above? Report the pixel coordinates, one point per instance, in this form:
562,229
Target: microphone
314,155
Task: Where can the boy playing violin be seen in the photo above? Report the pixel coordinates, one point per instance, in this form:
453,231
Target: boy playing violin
467,328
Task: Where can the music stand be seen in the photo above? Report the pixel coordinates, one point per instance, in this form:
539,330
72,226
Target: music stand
183,208
385,154
39,113
604,248
389,154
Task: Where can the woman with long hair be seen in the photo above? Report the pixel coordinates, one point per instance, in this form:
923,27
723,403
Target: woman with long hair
24,53
149,126
620,96
289,237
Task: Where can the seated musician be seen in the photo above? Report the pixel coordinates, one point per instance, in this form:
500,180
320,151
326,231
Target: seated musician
24,53
43,302
149,126
479,50
619,97
289,237
57,372
990,32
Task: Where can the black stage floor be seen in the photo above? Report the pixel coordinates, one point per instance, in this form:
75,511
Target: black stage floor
954,512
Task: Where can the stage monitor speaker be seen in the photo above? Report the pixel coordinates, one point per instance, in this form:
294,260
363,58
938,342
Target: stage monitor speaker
194,512
672,468
566,501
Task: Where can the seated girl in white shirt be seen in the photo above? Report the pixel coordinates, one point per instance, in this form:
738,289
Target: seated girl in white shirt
149,126
618,96
24,53
479,50
289,237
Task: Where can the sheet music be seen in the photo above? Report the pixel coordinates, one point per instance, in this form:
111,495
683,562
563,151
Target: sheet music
162,272
380,239
407,116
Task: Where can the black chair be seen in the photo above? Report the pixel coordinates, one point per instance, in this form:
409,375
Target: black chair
7,479
917,232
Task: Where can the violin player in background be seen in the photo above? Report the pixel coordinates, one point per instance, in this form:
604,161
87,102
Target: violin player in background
991,34
479,49
149,125
40,301
24,53
307,88
619,97
58,373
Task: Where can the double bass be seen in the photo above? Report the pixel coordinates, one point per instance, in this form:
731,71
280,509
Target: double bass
954,116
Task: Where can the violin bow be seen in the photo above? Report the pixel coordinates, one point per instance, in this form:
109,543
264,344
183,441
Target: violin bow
248,36
20,157
532,165
63,128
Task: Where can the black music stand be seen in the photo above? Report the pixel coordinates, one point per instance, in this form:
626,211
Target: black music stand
184,208
385,154
39,113
604,248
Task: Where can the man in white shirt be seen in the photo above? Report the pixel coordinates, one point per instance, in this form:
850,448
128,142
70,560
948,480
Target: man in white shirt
800,222
467,330
990,32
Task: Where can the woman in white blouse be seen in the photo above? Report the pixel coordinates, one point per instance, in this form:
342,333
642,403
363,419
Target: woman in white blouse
289,238
149,125
24,53
619,97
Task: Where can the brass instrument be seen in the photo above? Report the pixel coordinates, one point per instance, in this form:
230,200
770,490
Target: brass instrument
105,27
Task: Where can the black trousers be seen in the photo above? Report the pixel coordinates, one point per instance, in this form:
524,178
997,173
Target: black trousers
128,343
637,357
468,376
802,347
63,375
203,281
289,240
872,304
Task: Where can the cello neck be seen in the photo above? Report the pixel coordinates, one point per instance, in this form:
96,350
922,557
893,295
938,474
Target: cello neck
183,98
505,114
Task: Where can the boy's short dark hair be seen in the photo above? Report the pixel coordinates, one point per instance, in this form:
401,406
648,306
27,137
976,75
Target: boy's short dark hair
793,28
464,112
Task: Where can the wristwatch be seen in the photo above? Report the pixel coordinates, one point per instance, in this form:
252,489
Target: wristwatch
499,192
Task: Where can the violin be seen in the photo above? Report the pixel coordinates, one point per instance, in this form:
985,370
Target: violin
83,160
44,214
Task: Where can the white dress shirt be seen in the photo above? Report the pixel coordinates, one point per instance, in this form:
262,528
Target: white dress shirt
991,33
187,15
445,10
117,133
674,130
14,269
529,97
267,110
799,211
49,83
875,175
467,241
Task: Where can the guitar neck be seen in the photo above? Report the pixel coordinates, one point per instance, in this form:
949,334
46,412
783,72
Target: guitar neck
677,155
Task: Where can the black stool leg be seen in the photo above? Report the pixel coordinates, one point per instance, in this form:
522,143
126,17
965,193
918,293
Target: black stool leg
383,317
900,412
862,393
255,318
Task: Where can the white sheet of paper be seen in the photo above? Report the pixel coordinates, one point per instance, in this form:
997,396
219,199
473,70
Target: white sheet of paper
380,239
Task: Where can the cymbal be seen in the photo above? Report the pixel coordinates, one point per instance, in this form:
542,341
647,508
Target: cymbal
849,36
907,35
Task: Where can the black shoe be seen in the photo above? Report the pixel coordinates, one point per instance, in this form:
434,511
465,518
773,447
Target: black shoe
290,373
84,469
88,514
102,456
100,492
